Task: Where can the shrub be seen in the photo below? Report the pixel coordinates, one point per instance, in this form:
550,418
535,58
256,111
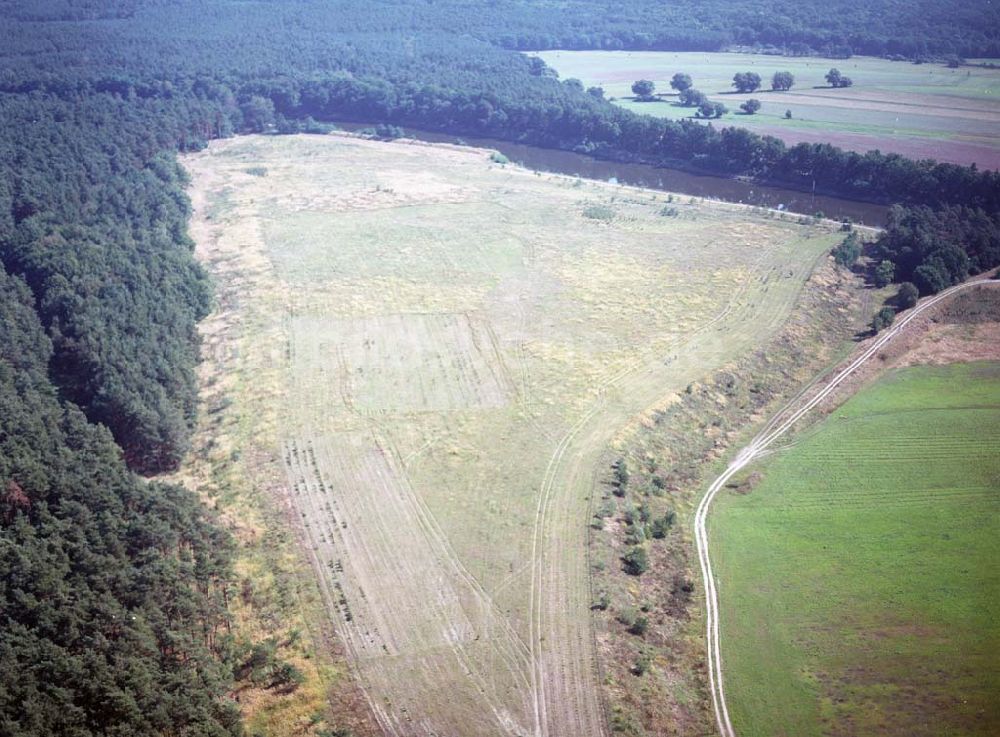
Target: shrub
599,212
907,295
642,664
883,319
639,626
635,535
662,525
848,252
636,561
388,132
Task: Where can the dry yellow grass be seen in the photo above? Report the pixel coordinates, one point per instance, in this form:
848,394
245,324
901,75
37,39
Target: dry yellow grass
429,356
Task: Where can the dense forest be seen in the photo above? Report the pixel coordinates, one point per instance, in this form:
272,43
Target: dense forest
113,589
112,610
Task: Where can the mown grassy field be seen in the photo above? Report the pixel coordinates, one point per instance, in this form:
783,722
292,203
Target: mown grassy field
433,353
859,579
919,110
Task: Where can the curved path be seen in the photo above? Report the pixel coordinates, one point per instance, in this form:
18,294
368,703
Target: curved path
778,426
565,685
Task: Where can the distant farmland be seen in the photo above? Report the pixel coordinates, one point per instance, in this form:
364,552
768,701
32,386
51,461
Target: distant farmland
919,110
435,352
860,590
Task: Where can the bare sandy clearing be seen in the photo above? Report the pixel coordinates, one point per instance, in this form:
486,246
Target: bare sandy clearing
460,343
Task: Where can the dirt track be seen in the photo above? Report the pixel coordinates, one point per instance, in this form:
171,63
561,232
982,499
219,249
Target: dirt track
778,426
442,436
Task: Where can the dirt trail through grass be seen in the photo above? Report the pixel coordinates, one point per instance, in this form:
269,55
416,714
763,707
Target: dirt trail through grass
777,427
452,346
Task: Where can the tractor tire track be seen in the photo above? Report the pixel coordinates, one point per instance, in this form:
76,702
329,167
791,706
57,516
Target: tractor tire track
779,424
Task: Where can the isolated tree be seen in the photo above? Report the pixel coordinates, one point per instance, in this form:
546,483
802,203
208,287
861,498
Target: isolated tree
746,81
681,82
750,107
692,98
788,115
710,109
883,319
643,89
782,81
884,273
907,295
835,79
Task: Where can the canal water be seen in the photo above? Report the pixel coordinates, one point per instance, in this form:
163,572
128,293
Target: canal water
670,180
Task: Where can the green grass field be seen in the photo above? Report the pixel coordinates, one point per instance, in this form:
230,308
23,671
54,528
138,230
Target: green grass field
920,110
860,579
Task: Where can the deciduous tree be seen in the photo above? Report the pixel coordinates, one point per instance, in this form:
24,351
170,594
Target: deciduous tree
782,81
746,81
643,89
681,81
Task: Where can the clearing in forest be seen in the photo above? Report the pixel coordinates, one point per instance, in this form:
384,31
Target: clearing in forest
922,111
858,577
436,352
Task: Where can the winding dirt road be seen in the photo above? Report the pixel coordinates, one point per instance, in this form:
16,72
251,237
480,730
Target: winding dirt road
775,428
564,679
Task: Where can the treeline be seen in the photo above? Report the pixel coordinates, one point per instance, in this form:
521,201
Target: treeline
112,595
95,220
112,590
935,248
887,27
580,123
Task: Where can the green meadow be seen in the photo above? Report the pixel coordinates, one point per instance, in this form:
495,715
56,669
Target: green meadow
919,110
860,577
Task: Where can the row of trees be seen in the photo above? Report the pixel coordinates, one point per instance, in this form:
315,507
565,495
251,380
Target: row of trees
644,89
